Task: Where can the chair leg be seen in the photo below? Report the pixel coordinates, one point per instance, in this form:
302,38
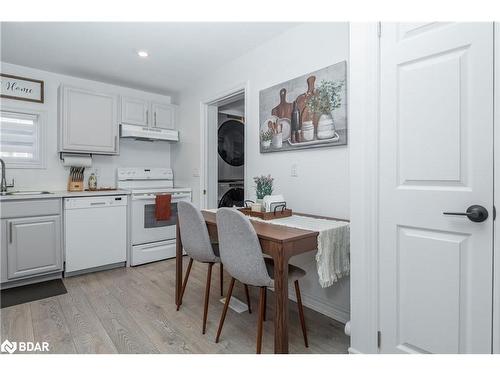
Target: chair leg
224,311
207,296
221,280
301,312
179,302
248,299
260,319
265,303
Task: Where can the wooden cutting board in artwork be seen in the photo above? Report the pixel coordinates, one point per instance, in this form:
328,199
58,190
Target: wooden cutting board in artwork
305,114
284,109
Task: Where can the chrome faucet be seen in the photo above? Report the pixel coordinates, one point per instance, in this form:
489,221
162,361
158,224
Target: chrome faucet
3,184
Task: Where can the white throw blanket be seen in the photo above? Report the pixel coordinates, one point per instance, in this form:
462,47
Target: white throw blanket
332,258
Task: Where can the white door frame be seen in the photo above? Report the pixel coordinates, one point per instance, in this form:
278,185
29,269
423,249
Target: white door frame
207,155
363,106
496,235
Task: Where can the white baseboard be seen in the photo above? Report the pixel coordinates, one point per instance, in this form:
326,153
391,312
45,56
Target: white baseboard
323,306
351,350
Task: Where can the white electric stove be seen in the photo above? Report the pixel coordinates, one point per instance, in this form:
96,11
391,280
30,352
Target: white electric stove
152,239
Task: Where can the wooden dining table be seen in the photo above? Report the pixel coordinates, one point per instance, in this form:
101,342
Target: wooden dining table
280,243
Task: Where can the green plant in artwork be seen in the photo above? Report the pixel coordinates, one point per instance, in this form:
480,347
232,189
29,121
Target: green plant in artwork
266,136
263,186
326,98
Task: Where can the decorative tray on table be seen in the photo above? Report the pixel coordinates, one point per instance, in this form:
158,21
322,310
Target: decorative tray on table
277,213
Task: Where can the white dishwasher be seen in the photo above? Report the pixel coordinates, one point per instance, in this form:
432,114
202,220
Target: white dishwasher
95,232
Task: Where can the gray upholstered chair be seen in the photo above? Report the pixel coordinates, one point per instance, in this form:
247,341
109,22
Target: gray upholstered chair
196,243
241,253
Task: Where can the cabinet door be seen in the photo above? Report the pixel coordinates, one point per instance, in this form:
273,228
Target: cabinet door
89,121
34,246
163,115
135,111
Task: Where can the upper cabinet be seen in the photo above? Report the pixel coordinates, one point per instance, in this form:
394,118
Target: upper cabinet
163,115
88,121
137,111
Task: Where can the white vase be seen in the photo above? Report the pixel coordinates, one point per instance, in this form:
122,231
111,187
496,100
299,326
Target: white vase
256,207
307,131
266,144
278,140
326,127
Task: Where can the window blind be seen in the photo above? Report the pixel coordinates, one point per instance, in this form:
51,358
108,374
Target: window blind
19,138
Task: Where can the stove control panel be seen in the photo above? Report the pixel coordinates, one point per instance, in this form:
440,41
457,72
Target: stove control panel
125,174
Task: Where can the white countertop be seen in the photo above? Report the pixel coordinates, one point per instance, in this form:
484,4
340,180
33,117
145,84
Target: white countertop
64,194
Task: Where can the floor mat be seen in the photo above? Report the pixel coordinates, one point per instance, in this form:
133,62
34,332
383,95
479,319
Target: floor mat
33,292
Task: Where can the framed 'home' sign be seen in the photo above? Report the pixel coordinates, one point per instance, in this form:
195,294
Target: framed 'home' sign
21,88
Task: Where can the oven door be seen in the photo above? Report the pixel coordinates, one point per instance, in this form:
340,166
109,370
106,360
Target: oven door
145,227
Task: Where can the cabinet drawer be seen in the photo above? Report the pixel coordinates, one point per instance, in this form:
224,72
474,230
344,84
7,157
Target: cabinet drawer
31,207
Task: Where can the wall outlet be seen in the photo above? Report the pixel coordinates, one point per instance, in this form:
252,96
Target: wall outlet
294,170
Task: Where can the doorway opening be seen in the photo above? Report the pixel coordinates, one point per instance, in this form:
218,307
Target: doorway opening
223,151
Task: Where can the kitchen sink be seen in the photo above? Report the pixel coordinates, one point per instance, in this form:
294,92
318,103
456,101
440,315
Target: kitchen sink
25,192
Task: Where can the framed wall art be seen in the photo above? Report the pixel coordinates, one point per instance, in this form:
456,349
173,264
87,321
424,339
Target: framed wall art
309,111
21,88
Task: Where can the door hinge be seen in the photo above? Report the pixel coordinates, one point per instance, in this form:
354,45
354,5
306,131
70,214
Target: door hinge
494,213
379,29
204,192
379,339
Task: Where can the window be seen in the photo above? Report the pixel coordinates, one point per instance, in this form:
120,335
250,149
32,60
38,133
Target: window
21,139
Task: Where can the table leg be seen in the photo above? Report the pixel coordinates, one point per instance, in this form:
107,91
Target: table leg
178,263
281,309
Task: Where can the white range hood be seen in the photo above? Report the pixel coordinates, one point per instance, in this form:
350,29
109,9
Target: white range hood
149,134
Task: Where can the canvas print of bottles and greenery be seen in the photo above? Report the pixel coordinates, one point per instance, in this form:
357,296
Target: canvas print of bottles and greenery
306,112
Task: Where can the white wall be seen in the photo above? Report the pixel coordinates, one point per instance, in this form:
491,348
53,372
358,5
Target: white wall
322,185
54,176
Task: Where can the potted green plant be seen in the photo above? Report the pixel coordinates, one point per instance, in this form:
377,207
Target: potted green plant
327,97
263,187
266,138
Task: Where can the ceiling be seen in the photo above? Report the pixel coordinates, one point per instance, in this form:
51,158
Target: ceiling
179,53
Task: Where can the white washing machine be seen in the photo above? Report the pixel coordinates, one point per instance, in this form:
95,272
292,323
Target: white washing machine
231,193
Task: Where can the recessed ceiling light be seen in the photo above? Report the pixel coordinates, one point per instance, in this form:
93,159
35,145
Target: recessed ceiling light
142,53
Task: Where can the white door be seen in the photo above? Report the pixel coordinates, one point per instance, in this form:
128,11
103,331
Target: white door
436,155
163,115
135,111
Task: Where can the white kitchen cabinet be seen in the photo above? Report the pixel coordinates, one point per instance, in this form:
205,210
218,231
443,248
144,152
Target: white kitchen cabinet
33,246
134,111
88,121
141,112
163,115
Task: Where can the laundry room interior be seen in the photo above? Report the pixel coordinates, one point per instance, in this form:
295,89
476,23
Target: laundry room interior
231,153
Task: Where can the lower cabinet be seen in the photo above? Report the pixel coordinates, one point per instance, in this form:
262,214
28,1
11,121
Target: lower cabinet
33,246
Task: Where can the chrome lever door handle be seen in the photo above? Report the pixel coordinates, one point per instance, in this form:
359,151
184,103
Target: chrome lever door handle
474,213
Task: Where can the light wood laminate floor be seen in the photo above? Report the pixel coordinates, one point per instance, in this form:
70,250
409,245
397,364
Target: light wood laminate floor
132,310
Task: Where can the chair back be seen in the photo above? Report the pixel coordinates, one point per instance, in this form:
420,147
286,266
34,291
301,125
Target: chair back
194,233
240,249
